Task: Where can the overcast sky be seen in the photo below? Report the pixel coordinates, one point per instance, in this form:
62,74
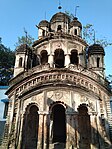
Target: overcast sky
15,15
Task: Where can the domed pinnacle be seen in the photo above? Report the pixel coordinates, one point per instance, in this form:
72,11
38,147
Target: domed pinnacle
59,7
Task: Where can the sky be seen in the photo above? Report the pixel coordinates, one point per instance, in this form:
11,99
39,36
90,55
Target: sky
15,15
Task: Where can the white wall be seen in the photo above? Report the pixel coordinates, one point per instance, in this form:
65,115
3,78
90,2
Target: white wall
2,104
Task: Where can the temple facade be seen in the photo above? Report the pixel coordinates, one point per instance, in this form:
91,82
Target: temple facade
59,97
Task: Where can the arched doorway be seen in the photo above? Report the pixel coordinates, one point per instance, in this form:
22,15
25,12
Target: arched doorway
44,57
59,58
74,57
84,127
30,128
58,119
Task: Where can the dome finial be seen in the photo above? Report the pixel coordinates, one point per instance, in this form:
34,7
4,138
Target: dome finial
94,36
76,10
59,7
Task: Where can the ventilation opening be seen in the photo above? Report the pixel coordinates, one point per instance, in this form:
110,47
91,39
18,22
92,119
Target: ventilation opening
98,61
35,60
59,59
43,33
59,124
59,28
6,110
44,57
30,128
75,31
20,61
29,62
74,57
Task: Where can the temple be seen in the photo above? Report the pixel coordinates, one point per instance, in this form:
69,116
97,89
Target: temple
59,97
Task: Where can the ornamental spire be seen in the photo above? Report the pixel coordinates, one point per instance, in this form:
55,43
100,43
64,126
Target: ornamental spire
59,7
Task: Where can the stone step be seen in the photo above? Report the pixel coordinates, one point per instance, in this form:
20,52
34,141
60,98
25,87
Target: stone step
57,145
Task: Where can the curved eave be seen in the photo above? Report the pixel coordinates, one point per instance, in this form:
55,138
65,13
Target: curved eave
46,77
58,36
96,52
53,85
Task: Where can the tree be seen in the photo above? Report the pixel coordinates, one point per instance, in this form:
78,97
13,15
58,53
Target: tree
6,64
28,39
89,33
89,36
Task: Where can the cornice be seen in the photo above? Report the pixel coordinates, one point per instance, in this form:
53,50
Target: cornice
59,36
73,76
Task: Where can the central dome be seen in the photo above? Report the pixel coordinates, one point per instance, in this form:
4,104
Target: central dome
60,17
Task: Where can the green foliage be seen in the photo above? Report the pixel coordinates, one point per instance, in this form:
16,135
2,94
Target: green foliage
89,36
6,64
109,78
104,42
88,33
25,40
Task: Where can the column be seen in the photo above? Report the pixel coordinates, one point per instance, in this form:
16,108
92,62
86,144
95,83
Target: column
67,131
20,132
40,132
51,60
67,60
46,130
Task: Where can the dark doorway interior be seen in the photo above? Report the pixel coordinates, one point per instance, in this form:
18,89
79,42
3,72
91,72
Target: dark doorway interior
44,57
74,57
59,58
84,127
59,124
30,129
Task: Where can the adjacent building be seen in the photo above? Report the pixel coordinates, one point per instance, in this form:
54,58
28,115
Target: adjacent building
3,109
59,97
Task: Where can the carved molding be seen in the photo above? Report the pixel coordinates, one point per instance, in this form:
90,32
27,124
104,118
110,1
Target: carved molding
63,78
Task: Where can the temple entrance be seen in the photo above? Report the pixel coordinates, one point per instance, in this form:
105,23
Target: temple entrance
30,128
84,127
59,124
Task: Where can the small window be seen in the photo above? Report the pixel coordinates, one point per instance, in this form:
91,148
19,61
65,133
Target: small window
98,61
43,33
20,62
5,110
75,31
35,60
59,28
44,57
74,57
